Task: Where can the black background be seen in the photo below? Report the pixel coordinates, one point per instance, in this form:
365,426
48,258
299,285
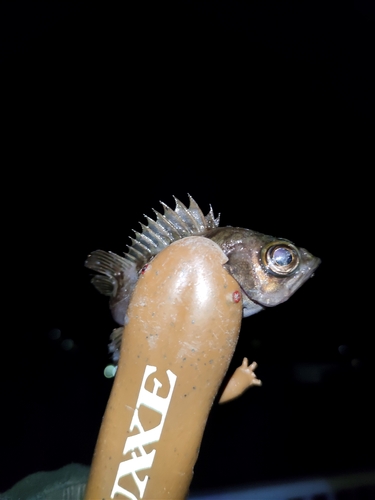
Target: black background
263,109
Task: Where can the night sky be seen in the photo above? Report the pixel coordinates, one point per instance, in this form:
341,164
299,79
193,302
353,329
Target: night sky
263,109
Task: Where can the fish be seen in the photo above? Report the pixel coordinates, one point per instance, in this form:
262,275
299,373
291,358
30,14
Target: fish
268,270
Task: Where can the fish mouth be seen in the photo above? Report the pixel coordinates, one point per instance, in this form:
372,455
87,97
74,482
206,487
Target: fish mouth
306,271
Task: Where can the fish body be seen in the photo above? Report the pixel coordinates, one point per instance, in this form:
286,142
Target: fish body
268,270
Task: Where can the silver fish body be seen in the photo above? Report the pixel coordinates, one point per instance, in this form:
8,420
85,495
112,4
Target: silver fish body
268,270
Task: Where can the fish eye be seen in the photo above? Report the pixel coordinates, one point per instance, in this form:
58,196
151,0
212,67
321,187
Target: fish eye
280,258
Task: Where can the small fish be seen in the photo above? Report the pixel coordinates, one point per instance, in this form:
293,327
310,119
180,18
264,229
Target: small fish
268,270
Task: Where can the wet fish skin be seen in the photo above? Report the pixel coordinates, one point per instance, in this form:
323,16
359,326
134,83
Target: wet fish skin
268,270
251,258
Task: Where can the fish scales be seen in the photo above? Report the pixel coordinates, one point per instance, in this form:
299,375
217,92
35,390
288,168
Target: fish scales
268,270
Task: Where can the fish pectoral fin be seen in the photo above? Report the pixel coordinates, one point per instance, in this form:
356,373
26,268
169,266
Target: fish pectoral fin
105,285
115,344
112,269
243,378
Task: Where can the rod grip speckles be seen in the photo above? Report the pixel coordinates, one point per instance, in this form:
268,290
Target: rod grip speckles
184,321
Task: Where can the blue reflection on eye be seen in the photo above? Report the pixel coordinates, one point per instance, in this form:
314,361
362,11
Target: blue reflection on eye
282,256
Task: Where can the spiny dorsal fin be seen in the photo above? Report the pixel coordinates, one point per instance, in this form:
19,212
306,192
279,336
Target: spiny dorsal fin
186,216
211,221
197,213
168,227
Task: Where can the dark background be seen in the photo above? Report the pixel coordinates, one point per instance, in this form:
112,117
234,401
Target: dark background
263,109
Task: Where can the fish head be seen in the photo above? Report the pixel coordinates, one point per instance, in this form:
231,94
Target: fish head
269,270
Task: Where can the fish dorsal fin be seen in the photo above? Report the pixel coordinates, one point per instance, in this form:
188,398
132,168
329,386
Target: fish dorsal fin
168,227
211,221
